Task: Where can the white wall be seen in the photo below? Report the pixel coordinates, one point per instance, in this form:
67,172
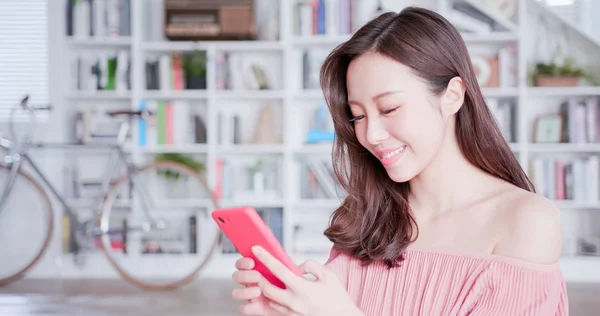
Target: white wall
595,9
51,162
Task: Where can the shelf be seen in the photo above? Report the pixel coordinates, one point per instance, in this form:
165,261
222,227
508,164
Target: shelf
256,202
175,94
170,46
184,149
100,95
89,203
564,148
249,94
321,40
318,149
79,204
563,91
500,92
103,42
309,94
580,268
499,37
251,149
182,203
318,203
566,204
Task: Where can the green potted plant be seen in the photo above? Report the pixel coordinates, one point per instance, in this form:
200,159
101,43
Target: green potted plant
180,158
555,75
174,187
194,68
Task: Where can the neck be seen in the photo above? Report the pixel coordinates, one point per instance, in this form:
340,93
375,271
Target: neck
448,182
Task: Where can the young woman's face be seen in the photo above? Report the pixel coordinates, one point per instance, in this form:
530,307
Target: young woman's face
395,116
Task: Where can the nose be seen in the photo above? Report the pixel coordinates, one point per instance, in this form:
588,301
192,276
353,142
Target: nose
376,131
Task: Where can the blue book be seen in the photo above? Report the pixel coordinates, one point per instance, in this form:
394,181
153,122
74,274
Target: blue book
142,126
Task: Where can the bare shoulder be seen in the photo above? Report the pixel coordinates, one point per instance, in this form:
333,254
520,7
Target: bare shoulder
531,228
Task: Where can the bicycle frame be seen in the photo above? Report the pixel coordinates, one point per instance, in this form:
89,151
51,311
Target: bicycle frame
16,161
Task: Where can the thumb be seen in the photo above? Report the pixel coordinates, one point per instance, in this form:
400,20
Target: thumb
314,268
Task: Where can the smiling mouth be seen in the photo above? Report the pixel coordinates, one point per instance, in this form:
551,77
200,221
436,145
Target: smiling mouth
393,153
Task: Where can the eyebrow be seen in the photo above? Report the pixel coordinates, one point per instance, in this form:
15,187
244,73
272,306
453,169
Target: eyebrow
379,96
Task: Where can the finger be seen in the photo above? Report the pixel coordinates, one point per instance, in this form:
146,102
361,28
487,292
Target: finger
246,293
314,268
275,266
274,293
244,264
246,276
280,308
253,308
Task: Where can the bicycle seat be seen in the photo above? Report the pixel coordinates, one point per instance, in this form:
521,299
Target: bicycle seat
138,114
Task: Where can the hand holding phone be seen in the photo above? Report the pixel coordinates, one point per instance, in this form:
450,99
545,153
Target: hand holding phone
245,228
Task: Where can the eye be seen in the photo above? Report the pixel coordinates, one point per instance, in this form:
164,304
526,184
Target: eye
356,118
390,110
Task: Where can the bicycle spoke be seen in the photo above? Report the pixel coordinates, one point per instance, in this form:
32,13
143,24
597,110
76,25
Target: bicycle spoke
165,245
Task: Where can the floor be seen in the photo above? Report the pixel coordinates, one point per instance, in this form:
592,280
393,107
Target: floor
205,297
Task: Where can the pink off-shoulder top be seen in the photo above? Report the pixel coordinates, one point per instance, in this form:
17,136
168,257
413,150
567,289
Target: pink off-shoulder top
442,282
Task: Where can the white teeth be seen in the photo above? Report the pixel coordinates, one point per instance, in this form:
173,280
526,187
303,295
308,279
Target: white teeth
393,153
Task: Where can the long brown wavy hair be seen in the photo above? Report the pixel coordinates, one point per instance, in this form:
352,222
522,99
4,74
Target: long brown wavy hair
374,222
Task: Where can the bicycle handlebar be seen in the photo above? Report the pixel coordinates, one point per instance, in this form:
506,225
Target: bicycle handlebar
21,144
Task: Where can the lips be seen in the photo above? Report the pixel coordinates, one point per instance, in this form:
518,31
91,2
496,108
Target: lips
390,156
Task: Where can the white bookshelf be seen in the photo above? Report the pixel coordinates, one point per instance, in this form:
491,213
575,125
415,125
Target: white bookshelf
104,42
291,98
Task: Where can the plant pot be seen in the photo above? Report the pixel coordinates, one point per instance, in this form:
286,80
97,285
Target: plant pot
556,81
195,83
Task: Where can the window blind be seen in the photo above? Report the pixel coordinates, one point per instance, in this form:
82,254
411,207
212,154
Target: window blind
23,54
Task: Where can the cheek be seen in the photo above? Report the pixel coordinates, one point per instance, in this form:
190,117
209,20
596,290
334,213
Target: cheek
360,131
422,129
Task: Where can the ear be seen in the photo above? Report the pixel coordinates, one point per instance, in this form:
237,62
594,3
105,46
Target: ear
453,98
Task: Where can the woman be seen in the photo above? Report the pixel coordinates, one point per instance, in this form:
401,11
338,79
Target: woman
440,218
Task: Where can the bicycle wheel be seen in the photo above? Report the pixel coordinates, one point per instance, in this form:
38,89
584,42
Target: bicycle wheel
155,224
26,225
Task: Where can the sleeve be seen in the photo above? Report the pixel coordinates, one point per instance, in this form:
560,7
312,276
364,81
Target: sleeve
509,290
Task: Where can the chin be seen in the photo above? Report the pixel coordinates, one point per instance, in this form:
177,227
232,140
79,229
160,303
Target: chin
400,175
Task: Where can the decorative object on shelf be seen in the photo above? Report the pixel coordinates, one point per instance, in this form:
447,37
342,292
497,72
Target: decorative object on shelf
320,132
379,9
210,20
265,131
506,8
548,129
566,75
486,70
589,246
199,130
258,177
194,65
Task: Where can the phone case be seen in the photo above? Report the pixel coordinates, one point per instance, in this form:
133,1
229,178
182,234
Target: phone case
245,228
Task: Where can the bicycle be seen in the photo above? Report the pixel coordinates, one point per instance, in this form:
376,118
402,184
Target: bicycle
134,196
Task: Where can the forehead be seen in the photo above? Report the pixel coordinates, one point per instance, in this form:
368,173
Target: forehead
372,73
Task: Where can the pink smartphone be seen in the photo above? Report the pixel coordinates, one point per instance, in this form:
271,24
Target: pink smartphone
245,228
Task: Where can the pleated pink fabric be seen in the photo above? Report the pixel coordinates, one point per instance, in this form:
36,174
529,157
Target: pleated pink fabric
442,282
